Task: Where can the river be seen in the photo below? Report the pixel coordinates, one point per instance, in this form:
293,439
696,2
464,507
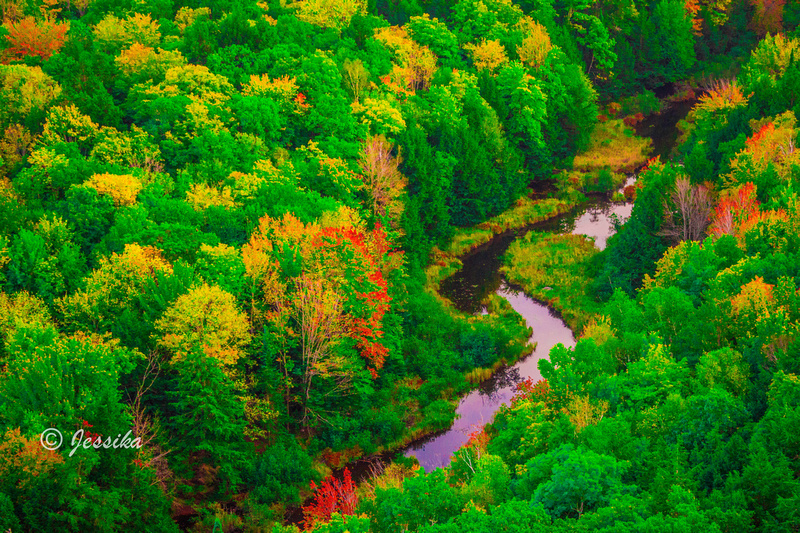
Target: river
467,288
480,276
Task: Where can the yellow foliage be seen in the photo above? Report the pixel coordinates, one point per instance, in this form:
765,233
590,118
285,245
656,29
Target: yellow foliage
414,63
333,169
198,119
714,106
67,124
7,191
669,267
535,46
21,309
219,252
772,142
112,32
194,81
123,189
25,460
139,59
201,196
128,149
599,329
24,88
488,55
111,287
329,13
14,145
186,16
5,258
773,54
382,117
283,89
206,317
42,160
266,171
54,231
585,411
755,297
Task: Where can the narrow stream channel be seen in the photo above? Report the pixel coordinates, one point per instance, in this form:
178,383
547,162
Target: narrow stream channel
479,277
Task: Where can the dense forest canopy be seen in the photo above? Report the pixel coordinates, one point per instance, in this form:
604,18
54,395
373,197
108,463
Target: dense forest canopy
215,223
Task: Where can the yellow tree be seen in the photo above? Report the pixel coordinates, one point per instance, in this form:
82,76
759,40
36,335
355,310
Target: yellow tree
111,288
329,13
414,63
113,34
202,196
535,46
143,62
208,317
14,145
488,55
123,188
67,124
24,90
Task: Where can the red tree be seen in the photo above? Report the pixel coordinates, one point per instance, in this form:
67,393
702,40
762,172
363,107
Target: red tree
731,213
332,496
369,299
29,38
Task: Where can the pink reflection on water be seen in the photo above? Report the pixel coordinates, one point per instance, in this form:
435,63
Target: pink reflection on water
479,406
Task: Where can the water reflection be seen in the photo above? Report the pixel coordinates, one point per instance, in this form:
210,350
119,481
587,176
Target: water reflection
478,407
479,277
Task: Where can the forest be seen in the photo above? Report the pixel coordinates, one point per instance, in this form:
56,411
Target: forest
223,226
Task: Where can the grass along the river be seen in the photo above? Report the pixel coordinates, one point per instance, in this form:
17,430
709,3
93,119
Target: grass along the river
554,269
613,146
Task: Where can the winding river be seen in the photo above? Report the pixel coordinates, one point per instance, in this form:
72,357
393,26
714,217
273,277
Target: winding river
481,276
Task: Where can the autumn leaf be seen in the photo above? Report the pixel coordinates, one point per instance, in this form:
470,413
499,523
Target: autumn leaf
31,38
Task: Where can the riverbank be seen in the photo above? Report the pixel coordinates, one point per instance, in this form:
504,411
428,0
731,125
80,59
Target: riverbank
525,212
553,268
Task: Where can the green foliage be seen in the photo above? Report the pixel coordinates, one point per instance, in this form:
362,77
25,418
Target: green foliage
208,418
138,162
570,481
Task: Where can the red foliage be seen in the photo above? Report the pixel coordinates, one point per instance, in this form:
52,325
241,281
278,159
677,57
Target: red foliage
300,100
650,162
478,439
371,289
528,389
753,141
633,120
602,118
29,38
613,108
630,193
333,495
731,213
768,16
93,437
